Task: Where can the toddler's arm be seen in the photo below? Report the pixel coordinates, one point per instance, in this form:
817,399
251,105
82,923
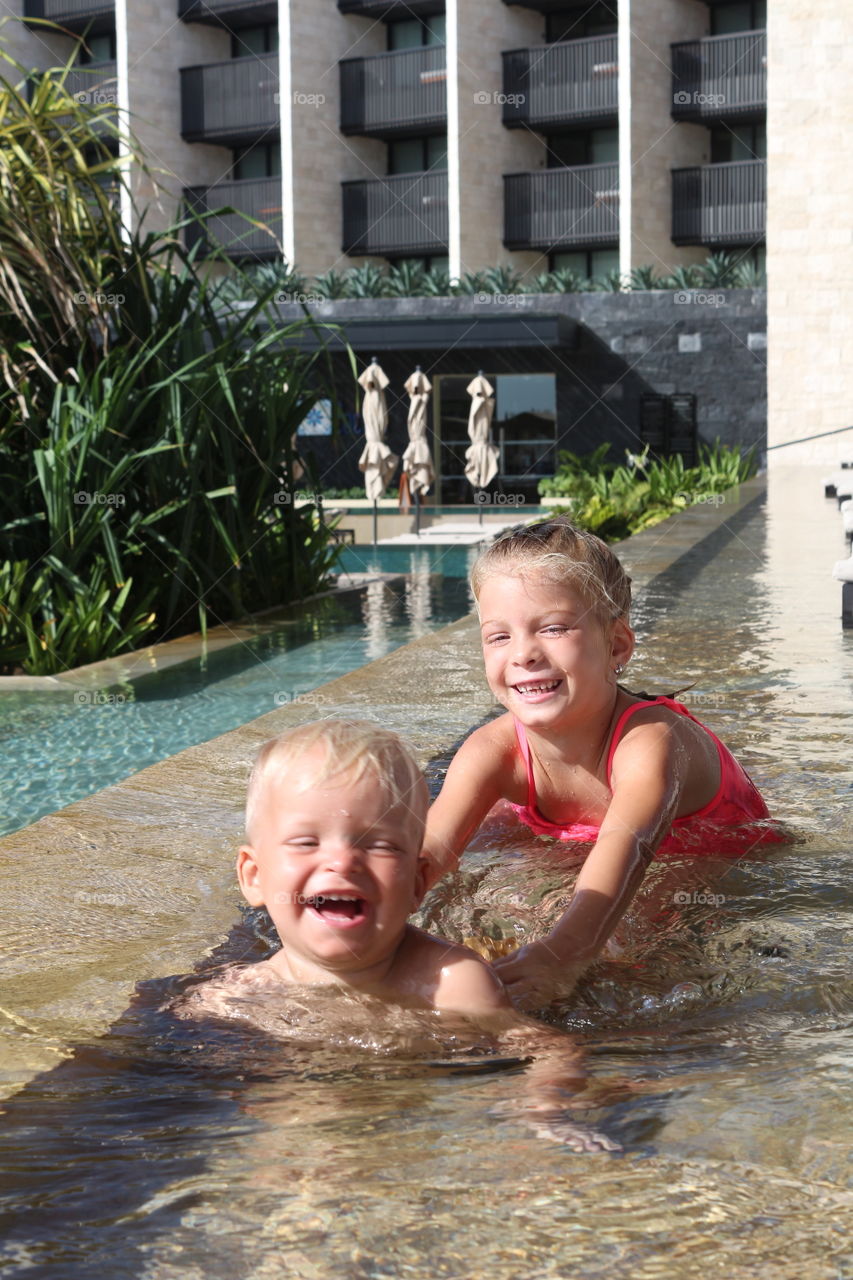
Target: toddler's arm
648,773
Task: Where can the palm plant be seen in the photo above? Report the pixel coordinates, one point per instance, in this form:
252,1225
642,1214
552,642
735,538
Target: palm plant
470,282
718,271
368,281
332,284
436,283
644,277
612,282
504,279
406,280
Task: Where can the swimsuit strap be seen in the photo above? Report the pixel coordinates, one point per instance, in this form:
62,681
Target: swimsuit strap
524,748
623,720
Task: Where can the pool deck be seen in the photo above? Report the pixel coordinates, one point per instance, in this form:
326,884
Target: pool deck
137,880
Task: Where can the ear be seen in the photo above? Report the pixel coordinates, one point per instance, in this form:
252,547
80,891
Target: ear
421,882
249,876
621,642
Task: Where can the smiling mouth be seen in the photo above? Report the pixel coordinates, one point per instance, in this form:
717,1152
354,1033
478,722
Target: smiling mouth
537,686
337,908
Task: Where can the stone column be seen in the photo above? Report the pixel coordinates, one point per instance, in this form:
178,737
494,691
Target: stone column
651,143
809,231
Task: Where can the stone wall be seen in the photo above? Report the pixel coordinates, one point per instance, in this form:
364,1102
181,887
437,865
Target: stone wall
712,345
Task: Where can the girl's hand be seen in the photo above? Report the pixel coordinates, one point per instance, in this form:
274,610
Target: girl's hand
535,975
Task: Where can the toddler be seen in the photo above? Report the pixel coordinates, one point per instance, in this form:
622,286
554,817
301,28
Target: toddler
578,756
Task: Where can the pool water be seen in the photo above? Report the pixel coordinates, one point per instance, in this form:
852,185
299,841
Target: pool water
718,1044
61,746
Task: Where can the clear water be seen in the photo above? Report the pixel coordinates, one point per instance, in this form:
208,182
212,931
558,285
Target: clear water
60,747
718,1045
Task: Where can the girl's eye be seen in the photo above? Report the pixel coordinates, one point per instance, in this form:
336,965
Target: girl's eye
497,638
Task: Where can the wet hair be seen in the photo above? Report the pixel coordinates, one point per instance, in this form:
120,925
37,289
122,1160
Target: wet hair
353,749
559,552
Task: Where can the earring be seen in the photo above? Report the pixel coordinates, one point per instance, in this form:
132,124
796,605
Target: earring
618,669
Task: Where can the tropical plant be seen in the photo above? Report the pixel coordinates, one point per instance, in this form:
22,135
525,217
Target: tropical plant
504,279
332,284
617,500
645,277
683,278
406,280
748,275
146,454
368,281
436,283
718,271
612,282
471,282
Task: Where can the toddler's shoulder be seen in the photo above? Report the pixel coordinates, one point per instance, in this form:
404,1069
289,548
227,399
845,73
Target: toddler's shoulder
462,981
215,997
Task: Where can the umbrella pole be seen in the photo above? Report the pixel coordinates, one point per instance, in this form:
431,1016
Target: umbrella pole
375,520
417,513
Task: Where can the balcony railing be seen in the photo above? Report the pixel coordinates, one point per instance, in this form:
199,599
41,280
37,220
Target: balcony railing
231,13
720,77
231,102
719,204
569,83
392,94
559,209
260,198
398,215
78,15
392,8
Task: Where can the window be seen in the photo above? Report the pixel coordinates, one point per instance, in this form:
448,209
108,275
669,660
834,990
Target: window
412,33
584,146
263,160
592,264
726,19
524,431
416,155
738,142
254,40
98,49
598,19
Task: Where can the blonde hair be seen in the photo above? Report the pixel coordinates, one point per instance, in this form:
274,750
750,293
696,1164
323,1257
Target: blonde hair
559,552
353,748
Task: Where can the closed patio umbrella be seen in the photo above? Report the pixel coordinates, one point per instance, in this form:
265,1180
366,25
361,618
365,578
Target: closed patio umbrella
481,456
377,461
417,460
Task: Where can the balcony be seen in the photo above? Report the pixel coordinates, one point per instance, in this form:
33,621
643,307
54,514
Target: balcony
719,205
94,16
391,95
231,103
720,78
258,197
557,84
558,209
391,9
228,13
396,216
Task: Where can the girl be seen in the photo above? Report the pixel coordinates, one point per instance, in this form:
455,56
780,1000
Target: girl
577,755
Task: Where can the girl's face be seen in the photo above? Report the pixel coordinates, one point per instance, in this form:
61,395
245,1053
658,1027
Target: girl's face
549,659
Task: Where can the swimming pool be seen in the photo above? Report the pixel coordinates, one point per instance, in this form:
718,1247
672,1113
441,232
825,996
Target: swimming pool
719,1046
61,746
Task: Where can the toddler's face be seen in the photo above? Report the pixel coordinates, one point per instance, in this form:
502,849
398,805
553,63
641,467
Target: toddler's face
338,868
547,654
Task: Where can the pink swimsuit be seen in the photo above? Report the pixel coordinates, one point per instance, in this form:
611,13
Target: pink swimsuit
736,804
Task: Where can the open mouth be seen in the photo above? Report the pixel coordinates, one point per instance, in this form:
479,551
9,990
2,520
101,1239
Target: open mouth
337,909
532,687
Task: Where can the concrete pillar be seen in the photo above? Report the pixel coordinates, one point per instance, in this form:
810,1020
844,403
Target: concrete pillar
651,143
480,149
809,231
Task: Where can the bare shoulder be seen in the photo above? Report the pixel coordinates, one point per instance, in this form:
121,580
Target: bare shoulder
456,977
665,732
491,747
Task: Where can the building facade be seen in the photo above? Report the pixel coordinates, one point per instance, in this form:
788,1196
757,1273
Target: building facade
602,136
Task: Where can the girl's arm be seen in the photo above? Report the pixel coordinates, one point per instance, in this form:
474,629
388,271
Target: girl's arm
649,768
472,786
